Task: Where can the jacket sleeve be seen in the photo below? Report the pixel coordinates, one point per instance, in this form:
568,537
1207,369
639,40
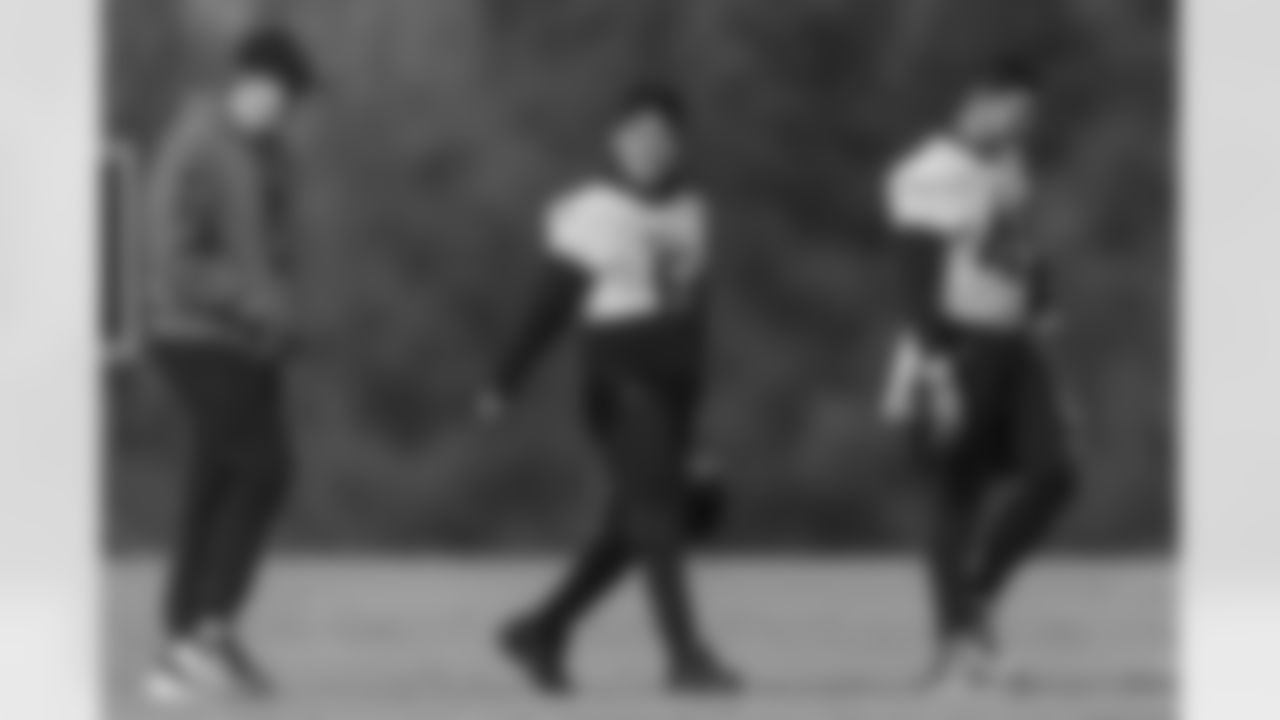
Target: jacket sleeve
260,297
182,244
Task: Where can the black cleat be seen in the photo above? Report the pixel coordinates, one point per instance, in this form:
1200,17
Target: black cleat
539,654
705,676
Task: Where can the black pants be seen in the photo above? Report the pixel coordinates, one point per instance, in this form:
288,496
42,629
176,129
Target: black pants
240,471
641,403
1002,484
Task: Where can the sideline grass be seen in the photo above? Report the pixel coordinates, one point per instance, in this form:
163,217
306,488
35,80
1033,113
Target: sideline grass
383,640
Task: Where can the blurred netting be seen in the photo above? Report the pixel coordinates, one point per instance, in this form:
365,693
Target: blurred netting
447,123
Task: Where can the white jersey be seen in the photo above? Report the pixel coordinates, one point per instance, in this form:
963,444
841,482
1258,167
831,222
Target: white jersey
628,246
961,198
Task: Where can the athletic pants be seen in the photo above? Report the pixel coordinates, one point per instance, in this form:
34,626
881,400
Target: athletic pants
641,404
239,472
1002,484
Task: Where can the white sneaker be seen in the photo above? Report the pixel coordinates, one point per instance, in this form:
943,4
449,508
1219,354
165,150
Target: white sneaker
164,687
186,673
223,659
189,671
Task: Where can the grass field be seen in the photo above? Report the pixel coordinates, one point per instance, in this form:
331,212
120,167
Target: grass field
384,640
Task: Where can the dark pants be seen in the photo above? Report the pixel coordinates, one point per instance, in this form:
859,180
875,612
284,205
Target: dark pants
641,405
240,471
1003,483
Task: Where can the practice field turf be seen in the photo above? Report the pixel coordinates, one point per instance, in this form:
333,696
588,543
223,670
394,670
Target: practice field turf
831,639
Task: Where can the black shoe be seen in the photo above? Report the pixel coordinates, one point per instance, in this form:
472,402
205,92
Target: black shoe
539,654
704,675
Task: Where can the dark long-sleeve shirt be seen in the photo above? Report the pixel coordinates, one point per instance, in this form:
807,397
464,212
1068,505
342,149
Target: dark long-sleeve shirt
556,305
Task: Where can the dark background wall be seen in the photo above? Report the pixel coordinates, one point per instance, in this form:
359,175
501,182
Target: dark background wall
447,123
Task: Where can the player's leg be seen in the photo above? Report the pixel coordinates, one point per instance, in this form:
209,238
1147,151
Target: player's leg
539,641
644,458
261,475
199,378
1045,482
706,497
958,498
596,571
964,467
264,473
955,500
194,377
205,491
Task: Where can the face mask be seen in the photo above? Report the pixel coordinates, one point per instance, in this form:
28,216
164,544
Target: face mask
256,104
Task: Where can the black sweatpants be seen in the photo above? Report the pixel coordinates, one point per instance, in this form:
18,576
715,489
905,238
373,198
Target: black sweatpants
642,396
240,470
1001,485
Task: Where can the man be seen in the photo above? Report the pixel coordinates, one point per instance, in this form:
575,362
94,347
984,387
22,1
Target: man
219,326
627,264
971,381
